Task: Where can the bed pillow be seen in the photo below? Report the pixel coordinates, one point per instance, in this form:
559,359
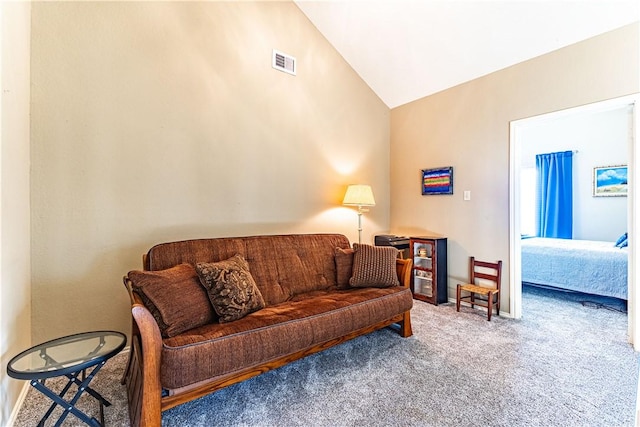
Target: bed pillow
622,240
374,266
344,267
231,288
175,298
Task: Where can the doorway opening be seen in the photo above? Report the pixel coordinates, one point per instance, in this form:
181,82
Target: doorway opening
521,133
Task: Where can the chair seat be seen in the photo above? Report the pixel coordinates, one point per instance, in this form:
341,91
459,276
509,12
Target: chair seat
478,289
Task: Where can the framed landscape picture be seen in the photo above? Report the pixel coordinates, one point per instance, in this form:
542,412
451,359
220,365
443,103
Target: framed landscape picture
437,181
610,181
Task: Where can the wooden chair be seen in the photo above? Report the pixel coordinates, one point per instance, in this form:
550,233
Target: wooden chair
484,281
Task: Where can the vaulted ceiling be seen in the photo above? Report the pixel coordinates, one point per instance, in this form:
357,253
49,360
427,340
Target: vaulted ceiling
407,49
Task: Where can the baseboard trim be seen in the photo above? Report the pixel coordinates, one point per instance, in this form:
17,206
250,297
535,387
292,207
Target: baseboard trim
483,309
16,408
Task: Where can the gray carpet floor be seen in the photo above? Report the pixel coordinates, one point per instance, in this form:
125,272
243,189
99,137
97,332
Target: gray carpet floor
565,363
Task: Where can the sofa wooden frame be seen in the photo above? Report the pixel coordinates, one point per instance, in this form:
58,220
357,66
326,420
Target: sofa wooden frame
142,375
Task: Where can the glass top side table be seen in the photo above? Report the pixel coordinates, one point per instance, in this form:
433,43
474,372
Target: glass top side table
68,356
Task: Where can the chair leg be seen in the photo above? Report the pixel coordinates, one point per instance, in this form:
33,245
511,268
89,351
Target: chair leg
473,299
498,304
458,294
489,307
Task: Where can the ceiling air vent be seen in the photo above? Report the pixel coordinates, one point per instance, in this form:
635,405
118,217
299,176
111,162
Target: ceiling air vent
283,62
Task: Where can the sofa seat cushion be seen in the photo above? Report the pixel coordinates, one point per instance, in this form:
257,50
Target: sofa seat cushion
308,319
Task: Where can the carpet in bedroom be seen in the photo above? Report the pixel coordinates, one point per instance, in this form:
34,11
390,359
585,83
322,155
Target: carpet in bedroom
562,364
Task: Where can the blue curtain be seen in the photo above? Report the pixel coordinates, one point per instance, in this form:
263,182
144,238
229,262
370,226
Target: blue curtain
555,195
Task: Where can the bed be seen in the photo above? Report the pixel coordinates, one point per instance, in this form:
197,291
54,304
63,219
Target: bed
588,266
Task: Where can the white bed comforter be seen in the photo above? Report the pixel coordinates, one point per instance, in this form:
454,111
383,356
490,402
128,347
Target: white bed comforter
588,266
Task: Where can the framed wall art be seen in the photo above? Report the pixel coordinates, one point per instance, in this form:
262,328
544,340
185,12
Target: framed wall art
437,181
610,181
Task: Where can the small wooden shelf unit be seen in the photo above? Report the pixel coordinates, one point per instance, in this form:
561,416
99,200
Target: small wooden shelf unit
429,271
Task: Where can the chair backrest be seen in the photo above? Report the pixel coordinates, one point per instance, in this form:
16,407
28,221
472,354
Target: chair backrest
481,272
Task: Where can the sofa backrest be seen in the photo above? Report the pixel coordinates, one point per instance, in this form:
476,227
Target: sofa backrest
282,266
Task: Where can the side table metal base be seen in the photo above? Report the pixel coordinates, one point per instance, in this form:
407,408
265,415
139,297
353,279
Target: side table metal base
69,406
71,356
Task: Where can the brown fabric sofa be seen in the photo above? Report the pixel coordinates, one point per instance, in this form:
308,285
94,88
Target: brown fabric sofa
307,307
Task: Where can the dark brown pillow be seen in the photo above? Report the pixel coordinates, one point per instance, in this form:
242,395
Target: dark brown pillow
175,297
374,266
231,288
344,267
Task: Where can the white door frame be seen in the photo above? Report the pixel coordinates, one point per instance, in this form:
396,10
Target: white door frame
516,128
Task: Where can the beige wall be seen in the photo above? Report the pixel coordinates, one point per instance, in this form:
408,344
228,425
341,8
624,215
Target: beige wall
164,121
15,290
467,127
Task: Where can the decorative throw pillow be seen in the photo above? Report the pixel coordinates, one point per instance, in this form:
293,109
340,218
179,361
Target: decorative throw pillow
622,240
231,288
175,298
374,266
624,243
344,267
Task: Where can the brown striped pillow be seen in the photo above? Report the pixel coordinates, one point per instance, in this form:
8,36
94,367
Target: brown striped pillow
344,267
374,266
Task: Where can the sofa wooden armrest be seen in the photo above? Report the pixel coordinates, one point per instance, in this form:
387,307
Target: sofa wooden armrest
403,268
143,370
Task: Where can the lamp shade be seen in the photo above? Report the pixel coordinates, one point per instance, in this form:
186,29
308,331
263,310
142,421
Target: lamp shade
359,195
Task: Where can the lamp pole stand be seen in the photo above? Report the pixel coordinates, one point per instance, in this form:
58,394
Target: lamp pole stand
361,210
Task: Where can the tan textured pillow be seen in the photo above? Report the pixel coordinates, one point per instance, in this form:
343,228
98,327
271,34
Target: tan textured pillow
344,267
231,288
374,266
175,297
